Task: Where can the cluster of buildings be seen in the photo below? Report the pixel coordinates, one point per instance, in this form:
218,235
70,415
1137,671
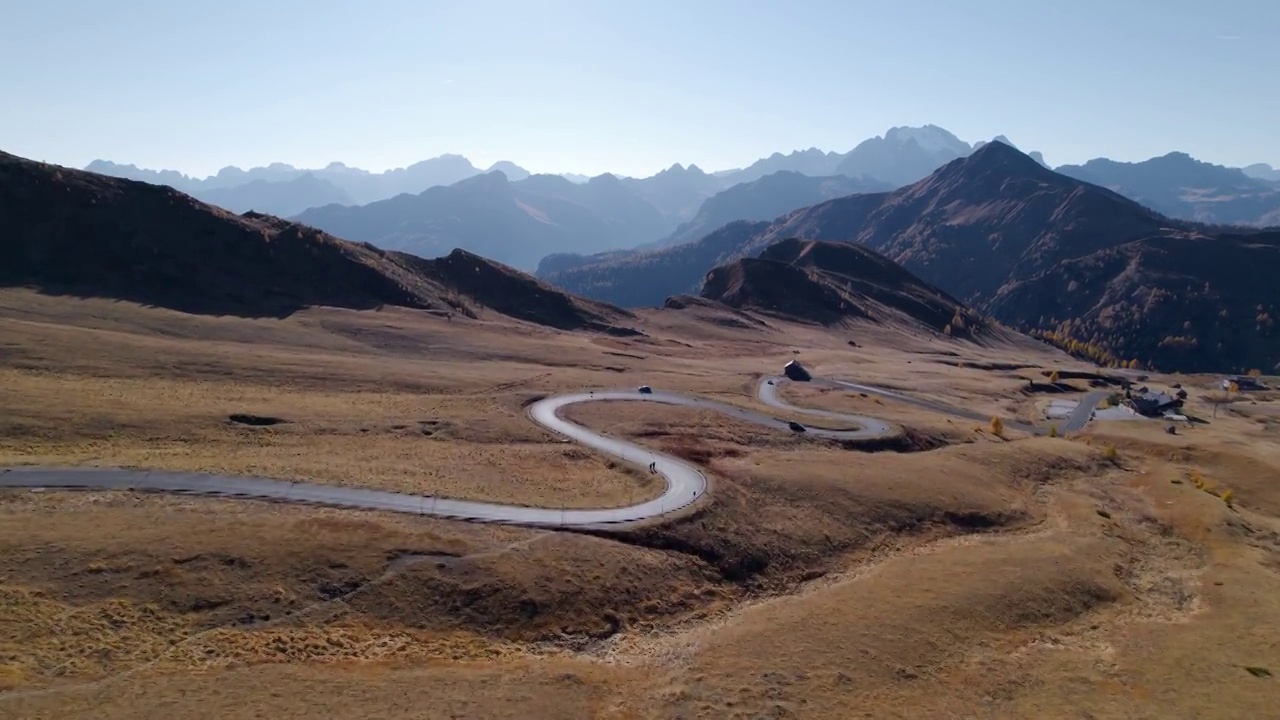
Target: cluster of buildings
1159,403
1154,403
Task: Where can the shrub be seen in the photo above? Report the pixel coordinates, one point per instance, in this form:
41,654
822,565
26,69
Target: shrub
1201,483
997,427
1229,497
1053,431
1110,452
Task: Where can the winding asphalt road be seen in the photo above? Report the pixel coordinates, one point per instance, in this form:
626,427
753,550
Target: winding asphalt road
1077,420
685,483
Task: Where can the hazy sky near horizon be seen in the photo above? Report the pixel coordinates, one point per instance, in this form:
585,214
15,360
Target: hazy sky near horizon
594,86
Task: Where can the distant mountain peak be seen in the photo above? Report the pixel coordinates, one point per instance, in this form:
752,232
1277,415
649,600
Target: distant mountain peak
678,169
1003,150
929,137
98,165
991,160
1262,171
513,171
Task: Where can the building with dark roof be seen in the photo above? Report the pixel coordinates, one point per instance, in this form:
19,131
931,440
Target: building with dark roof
796,371
1153,404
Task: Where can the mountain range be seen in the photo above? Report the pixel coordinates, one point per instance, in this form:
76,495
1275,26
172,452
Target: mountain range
516,223
994,233
274,189
832,283
80,233
902,155
766,198
1000,231
1262,171
1176,185
1180,186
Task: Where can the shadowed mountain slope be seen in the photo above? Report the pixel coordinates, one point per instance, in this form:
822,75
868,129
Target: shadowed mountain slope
1189,301
830,283
967,228
75,232
976,228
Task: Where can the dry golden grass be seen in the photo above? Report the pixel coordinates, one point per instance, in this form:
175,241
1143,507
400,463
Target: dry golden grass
1032,577
468,442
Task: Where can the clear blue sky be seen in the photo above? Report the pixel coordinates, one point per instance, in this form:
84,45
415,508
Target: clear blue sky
629,87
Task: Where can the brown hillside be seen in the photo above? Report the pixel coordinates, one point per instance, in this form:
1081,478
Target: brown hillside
72,232
981,221
971,226
1191,301
510,292
829,283
998,225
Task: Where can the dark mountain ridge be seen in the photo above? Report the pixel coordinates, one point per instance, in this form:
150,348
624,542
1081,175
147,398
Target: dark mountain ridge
73,232
967,228
835,283
975,227
1189,301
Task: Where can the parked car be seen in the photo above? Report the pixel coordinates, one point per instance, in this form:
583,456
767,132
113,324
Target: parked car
646,390
796,426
